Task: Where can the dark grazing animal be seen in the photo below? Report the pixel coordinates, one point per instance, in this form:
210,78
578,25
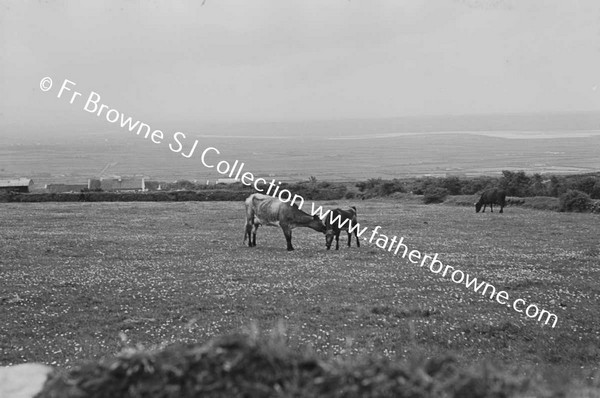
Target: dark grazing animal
267,210
491,197
338,220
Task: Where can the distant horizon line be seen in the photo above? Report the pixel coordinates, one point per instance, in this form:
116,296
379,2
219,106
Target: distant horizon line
348,119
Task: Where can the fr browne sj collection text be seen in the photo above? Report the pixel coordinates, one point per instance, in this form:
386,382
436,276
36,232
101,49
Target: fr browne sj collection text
177,142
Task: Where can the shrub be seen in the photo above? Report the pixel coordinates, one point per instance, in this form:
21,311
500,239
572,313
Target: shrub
595,208
574,200
515,183
557,186
596,191
452,184
435,195
322,191
369,184
389,187
4,197
420,185
246,366
585,184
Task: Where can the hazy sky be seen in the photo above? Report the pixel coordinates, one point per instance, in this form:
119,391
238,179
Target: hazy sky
240,60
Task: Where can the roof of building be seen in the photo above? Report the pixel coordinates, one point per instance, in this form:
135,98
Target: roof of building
16,182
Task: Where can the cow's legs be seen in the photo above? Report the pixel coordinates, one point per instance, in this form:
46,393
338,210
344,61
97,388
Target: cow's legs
349,239
357,241
337,240
248,234
287,231
254,234
484,206
501,208
492,207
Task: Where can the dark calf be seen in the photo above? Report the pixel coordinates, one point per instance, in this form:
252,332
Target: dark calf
341,220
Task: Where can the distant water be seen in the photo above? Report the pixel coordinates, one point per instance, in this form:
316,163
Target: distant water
329,150
512,135
514,126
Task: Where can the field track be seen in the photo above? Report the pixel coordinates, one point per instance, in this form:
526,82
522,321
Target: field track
81,280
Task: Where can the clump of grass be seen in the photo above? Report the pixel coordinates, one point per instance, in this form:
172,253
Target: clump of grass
244,366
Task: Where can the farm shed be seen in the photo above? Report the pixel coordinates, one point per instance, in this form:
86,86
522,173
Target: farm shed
119,184
21,185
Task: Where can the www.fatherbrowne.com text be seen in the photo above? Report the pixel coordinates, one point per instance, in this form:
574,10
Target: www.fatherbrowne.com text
177,144
397,245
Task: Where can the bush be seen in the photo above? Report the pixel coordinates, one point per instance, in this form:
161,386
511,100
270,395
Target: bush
376,187
515,183
321,191
435,195
246,366
585,184
596,191
574,200
420,185
452,184
350,195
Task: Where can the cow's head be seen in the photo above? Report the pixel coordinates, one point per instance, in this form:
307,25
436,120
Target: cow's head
317,224
329,237
478,207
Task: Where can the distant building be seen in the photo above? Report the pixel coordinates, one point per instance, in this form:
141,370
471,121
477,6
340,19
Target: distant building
60,188
21,185
226,181
118,184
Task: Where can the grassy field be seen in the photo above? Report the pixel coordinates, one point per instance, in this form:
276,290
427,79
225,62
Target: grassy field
83,280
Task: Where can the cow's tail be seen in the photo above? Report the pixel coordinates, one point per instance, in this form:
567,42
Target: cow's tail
245,234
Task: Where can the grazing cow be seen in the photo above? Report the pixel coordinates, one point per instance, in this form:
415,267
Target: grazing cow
338,220
267,210
491,197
